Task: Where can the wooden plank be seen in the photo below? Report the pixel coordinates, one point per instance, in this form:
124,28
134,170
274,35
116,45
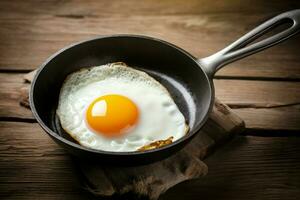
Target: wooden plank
184,165
261,94
33,166
32,33
71,8
272,105
12,87
248,168
262,104
278,118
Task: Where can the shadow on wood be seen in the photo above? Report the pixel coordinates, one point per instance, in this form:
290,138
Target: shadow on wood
150,181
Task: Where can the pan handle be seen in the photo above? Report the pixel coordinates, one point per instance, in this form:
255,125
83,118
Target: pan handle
239,48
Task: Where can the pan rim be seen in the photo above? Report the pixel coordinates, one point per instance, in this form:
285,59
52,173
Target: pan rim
190,134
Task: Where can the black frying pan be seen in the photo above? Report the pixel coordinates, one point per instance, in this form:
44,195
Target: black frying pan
188,79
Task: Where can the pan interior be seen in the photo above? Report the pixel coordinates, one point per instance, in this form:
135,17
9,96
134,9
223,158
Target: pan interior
172,67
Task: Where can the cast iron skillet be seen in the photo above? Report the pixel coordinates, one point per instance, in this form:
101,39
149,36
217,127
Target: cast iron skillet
188,79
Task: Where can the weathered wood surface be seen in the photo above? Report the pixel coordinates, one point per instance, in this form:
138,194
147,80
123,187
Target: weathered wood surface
13,89
145,8
35,30
32,166
151,180
139,181
143,181
254,167
247,168
259,103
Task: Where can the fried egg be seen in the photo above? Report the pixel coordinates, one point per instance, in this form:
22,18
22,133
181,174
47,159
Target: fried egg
116,108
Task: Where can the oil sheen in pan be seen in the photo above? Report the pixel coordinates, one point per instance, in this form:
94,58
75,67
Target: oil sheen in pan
182,97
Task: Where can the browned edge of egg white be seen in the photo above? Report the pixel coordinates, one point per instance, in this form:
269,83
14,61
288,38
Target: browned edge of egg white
160,143
156,144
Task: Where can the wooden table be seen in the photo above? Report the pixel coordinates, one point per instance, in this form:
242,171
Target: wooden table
263,89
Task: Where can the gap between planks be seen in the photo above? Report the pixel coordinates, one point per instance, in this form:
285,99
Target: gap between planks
251,167
259,103
201,35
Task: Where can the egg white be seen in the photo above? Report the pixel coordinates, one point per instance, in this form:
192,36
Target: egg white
159,116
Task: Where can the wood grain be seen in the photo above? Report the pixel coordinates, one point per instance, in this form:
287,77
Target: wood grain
32,166
281,118
254,167
254,93
109,181
142,180
32,33
249,168
71,8
262,104
12,91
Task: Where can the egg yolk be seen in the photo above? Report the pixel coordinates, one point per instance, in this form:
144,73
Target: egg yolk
112,115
